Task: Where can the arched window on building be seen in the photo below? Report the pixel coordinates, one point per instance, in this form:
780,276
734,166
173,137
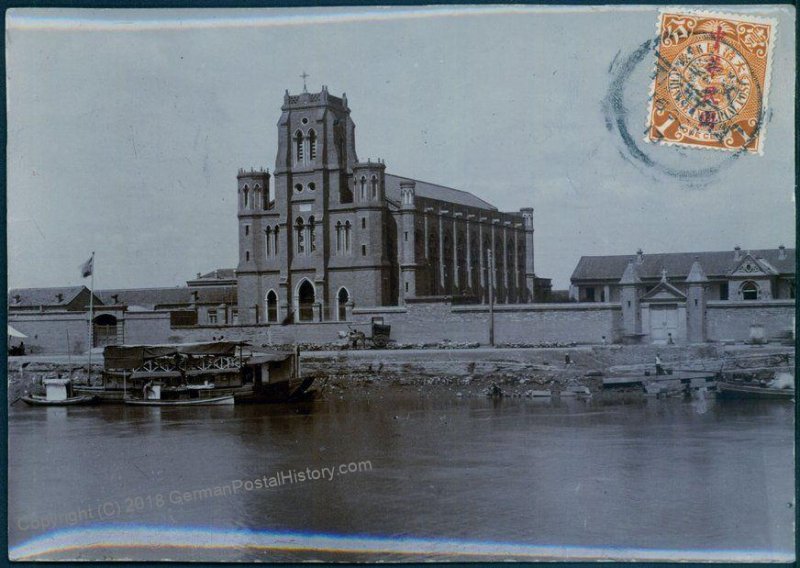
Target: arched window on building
301,238
246,197
312,144
298,147
268,242
347,237
363,188
312,235
256,196
374,184
750,291
338,236
275,248
272,306
341,300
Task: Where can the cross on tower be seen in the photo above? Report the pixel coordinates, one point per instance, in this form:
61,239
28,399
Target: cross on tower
305,76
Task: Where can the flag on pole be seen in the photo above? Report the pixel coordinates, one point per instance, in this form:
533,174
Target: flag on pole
87,267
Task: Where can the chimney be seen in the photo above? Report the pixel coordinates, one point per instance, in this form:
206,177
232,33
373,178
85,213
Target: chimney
115,298
639,256
781,252
60,297
737,253
198,276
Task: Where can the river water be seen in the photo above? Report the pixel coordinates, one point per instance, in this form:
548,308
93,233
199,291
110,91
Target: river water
412,472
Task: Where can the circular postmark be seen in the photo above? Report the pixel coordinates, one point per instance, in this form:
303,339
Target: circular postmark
673,162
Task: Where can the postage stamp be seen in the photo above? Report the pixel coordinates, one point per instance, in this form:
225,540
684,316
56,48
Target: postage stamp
711,80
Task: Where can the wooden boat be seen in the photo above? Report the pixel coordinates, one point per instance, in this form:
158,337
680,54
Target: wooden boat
58,392
189,371
753,391
210,401
39,400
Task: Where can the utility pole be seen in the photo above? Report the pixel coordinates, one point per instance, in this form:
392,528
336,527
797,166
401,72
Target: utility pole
490,282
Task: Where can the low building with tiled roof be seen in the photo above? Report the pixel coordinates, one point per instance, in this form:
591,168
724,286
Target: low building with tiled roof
62,298
687,297
732,275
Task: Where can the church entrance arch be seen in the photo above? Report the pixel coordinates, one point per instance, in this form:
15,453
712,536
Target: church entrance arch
305,301
341,303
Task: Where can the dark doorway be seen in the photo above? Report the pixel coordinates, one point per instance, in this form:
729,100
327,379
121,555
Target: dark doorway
272,306
305,299
342,298
104,330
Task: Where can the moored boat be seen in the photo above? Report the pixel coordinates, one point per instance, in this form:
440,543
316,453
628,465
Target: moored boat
58,392
192,371
210,401
753,391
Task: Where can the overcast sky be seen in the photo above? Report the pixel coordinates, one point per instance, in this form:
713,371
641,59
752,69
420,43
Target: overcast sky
126,130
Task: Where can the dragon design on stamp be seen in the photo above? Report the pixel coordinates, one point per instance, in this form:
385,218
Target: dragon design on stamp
711,81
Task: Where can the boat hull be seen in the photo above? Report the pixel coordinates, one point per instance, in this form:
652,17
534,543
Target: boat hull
212,401
739,391
34,400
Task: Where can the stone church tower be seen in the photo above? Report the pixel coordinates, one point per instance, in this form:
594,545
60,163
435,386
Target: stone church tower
321,236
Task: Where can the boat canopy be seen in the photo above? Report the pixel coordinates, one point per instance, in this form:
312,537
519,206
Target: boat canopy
134,356
261,358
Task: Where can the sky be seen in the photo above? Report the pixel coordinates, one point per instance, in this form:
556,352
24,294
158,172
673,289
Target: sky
126,129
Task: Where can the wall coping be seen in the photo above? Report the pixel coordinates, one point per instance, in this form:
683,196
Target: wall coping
721,304
570,306
381,310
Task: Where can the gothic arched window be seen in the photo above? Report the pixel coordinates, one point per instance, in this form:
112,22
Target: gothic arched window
363,188
338,236
312,237
312,144
272,306
374,183
301,238
347,236
268,242
246,196
275,248
298,147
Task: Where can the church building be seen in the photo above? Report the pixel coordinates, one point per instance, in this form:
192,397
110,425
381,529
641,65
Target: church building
327,231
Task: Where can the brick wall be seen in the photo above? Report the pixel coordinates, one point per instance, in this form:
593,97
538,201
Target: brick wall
732,320
423,322
47,332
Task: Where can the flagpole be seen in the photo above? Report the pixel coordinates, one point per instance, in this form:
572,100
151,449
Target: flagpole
91,320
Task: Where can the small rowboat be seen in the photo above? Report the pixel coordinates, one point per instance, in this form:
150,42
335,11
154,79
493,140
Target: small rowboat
211,401
38,400
740,390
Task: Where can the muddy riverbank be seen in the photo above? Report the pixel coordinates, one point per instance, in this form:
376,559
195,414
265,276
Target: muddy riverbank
473,371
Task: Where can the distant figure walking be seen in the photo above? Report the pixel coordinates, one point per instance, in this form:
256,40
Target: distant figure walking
659,365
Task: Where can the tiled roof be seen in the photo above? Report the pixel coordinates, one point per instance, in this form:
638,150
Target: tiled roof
43,296
169,297
434,191
220,274
716,264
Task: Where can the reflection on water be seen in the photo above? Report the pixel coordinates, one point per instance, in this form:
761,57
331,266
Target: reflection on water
673,474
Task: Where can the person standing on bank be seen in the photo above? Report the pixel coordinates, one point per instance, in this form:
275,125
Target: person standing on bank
659,365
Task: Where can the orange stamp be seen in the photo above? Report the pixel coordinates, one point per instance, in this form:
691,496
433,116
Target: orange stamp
711,81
